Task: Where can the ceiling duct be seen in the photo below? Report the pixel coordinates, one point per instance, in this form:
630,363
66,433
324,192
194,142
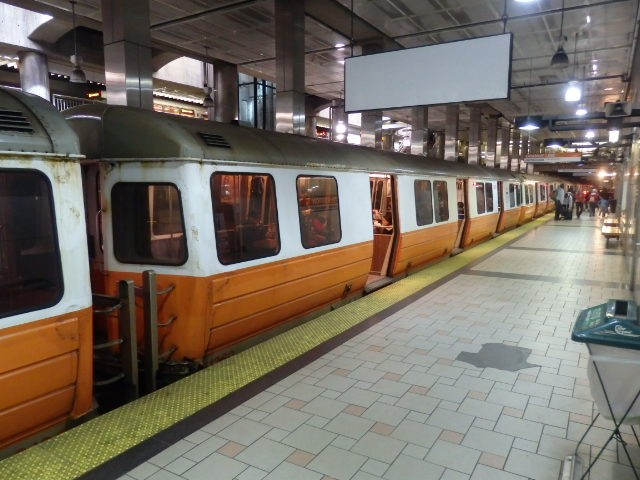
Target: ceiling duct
617,109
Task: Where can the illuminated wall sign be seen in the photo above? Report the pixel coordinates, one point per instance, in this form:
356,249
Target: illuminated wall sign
464,71
558,157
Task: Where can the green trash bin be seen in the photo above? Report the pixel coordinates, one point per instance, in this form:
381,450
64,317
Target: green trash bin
611,333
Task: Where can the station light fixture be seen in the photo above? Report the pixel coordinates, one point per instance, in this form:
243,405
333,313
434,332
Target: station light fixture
77,74
614,135
560,59
573,93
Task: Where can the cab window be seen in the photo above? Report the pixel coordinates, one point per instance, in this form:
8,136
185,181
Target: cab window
480,198
244,216
424,202
318,211
30,271
148,225
441,201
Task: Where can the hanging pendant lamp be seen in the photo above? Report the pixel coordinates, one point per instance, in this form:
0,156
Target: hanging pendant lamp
207,101
560,59
77,74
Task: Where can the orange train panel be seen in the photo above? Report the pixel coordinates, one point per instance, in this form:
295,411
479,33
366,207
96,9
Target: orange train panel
51,361
268,297
29,418
422,246
526,214
263,295
479,229
38,380
540,209
231,333
286,271
509,219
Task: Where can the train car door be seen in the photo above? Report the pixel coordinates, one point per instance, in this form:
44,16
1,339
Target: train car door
463,212
384,223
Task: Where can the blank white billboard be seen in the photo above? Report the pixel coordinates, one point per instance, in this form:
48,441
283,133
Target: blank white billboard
464,71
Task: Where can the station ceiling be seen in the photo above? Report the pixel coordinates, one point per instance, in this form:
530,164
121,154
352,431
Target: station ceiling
598,36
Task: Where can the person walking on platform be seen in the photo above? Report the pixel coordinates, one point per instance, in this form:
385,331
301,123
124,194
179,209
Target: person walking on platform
567,205
593,200
580,194
559,200
603,205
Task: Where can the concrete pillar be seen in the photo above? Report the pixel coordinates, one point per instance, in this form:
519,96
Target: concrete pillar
419,130
439,146
371,129
225,97
127,52
492,141
515,151
290,39
339,122
34,73
505,140
451,133
475,119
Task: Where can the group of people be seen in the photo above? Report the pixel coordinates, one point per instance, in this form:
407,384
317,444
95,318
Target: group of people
583,199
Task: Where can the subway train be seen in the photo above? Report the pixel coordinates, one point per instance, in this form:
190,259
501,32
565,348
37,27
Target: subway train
246,231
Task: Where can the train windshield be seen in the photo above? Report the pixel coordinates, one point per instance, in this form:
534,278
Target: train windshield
30,272
148,224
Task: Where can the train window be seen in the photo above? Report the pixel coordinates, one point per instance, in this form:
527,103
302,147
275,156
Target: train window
153,231
245,216
441,201
512,195
318,211
480,198
528,190
489,195
30,271
543,192
424,202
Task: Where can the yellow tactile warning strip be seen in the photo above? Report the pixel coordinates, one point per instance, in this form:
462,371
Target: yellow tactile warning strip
77,451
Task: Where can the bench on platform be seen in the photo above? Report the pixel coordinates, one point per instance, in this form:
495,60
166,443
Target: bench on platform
611,221
609,232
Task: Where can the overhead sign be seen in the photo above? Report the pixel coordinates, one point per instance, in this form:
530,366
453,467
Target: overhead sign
557,157
464,71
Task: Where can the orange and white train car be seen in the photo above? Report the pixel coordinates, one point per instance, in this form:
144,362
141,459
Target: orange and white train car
248,229
511,192
46,343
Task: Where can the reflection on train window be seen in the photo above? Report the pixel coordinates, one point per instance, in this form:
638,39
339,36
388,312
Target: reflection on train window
514,192
488,190
480,198
543,192
528,190
30,272
424,202
245,216
148,224
318,211
441,201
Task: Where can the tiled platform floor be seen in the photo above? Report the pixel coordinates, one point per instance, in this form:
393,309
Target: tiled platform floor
394,403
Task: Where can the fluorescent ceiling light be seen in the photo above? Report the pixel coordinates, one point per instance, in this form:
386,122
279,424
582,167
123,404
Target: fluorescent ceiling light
573,91
614,136
581,111
590,134
529,124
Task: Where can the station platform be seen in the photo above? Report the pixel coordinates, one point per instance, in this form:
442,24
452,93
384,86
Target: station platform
464,370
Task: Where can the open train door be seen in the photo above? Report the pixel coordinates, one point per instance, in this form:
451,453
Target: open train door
385,231
463,213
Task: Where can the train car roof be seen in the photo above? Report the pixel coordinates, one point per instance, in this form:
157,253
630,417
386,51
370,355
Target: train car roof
30,124
127,133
